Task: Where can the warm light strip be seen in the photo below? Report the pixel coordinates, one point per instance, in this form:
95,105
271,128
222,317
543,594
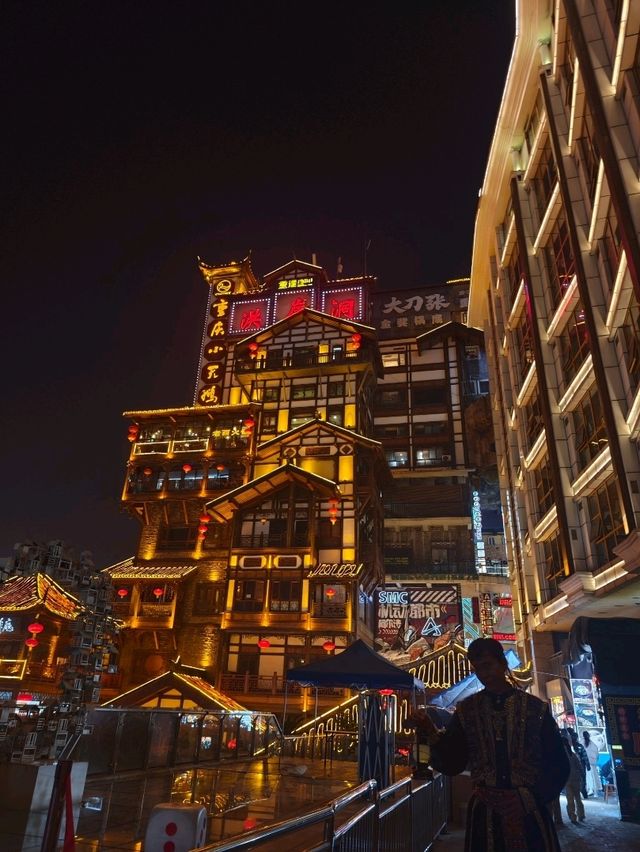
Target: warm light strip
21,664
574,98
518,305
550,215
622,33
610,575
203,343
555,607
571,393
350,700
507,240
536,449
504,345
615,295
556,17
529,384
457,281
562,313
601,461
549,520
634,414
596,202
534,148
512,418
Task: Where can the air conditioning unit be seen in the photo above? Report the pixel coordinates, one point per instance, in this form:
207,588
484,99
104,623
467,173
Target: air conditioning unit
446,457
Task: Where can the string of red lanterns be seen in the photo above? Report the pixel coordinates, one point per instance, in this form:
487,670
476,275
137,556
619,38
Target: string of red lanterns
35,628
133,433
203,529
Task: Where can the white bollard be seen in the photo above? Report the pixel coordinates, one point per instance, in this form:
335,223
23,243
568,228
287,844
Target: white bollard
176,828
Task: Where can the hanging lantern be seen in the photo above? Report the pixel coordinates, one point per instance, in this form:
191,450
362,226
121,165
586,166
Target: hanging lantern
201,537
249,824
329,645
249,423
385,691
203,529
132,436
204,518
263,643
35,628
333,512
333,521
253,347
356,337
187,468
133,433
158,592
333,503
232,744
31,642
330,592
122,593
219,468
148,471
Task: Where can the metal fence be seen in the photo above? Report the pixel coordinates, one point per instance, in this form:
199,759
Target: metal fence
408,816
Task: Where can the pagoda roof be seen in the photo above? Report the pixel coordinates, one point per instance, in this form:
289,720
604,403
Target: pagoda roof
212,273
455,329
293,264
202,410
129,570
317,425
224,508
190,682
38,591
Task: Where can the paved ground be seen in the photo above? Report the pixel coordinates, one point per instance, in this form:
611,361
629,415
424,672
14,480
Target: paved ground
602,831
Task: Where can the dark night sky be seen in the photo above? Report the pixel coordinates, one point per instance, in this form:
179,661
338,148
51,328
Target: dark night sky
141,135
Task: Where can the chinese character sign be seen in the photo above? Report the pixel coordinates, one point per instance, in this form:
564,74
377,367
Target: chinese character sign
214,352
288,304
249,316
347,304
414,620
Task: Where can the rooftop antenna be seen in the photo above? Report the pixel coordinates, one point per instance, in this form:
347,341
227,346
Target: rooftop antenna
314,259
339,267
367,246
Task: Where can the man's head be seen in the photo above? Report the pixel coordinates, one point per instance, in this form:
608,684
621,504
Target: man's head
489,663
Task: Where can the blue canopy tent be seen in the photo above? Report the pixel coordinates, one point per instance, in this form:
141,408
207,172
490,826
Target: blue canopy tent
360,667
469,685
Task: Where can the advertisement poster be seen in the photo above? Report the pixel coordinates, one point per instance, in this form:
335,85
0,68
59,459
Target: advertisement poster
585,703
414,620
624,718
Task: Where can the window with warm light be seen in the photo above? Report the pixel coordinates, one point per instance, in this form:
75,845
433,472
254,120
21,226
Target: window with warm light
249,595
285,593
606,527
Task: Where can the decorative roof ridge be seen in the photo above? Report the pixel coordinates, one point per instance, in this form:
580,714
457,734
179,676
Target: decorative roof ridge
325,424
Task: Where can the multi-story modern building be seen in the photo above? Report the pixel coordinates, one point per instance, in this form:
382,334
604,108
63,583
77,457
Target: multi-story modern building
320,408
556,286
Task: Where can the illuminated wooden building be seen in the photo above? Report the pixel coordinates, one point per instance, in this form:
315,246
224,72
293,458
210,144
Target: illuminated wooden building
260,505
37,618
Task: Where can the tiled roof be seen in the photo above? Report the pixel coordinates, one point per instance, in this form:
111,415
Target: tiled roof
20,594
150,572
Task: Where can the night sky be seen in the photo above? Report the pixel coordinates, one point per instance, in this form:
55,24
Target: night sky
139,136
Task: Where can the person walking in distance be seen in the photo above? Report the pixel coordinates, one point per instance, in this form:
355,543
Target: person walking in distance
512,747
573,787
594,784
585,766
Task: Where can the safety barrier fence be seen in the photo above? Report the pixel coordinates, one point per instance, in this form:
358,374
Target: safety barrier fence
407,816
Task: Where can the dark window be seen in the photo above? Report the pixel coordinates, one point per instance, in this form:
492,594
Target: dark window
187,477
589,428
432,395
523,345
612,244
630,333
297,418
606,528
434,428
553,568
589,156
271,395
391,430
574,344
248,595
533,122
269,422
392,398
532,419
543,488
285,594
514,273
545,178
335,415
335,389
209,599
177,538
560,262
303,391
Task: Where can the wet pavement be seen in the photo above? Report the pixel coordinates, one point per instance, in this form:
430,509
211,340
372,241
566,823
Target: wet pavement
602,831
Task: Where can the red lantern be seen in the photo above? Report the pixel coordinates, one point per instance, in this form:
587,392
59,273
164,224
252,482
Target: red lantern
201,537
27,697
31,642
36,627
187,468
356,337
158,592
204,519
132,437
133,428
329,645
253,347
249,423
333,512
122,593
219,468
202,529
333,521
232,744
249,824
263,643
148,471
385,691
330,593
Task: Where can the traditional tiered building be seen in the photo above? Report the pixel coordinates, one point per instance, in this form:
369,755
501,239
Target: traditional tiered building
262,505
